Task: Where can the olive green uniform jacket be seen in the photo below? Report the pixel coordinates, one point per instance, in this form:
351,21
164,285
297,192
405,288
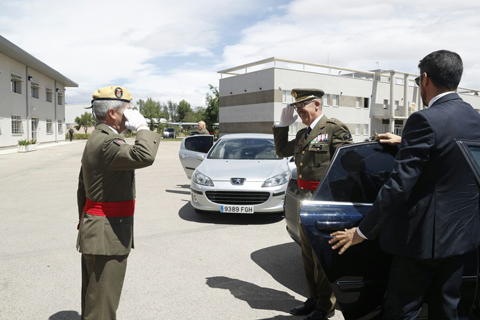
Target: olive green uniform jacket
312,158
107,175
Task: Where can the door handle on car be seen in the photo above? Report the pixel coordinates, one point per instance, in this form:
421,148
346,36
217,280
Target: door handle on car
333,225
184,156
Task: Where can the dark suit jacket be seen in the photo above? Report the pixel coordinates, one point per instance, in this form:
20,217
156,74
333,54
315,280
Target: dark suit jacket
429,208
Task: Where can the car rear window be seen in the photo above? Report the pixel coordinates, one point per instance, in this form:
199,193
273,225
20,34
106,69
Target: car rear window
199,143
357,173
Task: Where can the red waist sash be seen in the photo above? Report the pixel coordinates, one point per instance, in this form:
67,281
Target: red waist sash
309,185
110,209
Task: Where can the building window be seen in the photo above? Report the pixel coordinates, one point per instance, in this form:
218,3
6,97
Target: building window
326,100
357,129
397,130
385,104
397,104
335,99
365,129
60,127
17,126
35,89
16,84
49,126
60,99
365,102
49,94
287,97
358,102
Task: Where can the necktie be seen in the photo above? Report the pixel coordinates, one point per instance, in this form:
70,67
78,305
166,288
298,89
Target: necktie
307,132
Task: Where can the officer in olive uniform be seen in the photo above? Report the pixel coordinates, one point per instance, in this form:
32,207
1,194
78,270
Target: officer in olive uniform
313,148
106,199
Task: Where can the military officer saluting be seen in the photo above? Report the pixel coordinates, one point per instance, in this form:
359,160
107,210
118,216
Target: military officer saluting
313,148
106,199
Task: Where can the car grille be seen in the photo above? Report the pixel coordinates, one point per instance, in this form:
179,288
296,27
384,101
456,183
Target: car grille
237,197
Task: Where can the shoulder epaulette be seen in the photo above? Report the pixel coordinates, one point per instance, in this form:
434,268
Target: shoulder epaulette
334,120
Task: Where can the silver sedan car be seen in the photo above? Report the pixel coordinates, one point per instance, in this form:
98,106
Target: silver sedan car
240,174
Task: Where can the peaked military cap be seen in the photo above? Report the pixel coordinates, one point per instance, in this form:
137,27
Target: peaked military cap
304,94
113,93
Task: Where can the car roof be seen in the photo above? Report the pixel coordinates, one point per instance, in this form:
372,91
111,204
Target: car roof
247,135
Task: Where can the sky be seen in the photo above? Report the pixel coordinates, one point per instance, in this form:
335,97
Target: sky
172,50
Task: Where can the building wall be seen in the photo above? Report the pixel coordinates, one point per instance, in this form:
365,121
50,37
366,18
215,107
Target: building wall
253,102
27,107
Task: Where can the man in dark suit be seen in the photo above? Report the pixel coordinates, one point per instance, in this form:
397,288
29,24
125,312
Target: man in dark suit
426,214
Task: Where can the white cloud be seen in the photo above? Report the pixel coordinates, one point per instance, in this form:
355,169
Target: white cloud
97,42
356,34
172,50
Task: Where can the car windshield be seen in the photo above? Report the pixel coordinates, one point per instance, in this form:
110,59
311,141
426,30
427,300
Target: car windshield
244,148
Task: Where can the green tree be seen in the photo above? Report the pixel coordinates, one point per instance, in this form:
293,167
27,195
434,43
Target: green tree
199,114
165,111
184,110
151,110
85,120
211,112
172,110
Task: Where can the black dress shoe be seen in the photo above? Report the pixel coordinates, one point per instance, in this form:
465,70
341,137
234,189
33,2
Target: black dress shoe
318,314
306,308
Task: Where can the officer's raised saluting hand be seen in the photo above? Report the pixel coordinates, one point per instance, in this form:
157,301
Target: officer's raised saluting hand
287,117
135,120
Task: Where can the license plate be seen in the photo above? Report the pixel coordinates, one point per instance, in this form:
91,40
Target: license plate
236,209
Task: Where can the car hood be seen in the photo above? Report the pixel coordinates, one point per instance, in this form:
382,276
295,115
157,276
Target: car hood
252,170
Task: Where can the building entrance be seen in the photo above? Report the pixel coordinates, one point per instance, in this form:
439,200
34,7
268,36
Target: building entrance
34,128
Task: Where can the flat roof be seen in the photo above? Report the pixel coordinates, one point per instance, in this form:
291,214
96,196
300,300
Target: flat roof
319,68
16,53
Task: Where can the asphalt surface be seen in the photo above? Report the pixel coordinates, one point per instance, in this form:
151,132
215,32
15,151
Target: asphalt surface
184,265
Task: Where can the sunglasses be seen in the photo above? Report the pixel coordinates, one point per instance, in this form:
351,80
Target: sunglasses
418,79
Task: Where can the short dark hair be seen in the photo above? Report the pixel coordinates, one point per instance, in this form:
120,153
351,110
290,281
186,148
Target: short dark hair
443,67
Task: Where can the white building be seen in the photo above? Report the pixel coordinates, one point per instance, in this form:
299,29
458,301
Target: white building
32,98
252,96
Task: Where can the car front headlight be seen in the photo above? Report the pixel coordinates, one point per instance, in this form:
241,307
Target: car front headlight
277,180
200,178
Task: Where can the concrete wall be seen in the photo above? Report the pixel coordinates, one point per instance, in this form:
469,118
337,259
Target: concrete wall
24,105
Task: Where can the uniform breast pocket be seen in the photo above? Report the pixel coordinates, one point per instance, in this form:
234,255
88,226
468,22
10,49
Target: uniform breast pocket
318,154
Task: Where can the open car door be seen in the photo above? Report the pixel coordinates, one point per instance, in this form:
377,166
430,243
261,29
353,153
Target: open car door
344,196
193,150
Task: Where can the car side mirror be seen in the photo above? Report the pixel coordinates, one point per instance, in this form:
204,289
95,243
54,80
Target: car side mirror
200,157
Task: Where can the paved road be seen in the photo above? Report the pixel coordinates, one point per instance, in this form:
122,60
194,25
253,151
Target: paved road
184,266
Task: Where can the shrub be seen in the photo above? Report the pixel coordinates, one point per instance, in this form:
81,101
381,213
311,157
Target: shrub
25,142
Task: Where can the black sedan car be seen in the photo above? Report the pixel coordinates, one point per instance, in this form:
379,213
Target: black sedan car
359,276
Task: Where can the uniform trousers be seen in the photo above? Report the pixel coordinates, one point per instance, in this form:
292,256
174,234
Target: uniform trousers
415,281
317,283
102,282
